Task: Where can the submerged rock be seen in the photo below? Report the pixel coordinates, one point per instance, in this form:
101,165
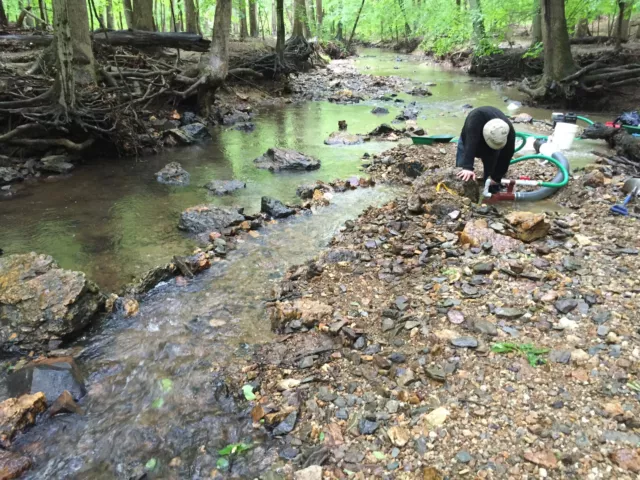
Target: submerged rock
173,174
56,164
190,133
380,111
17,414
12,465
224,187
40,301
51,376
207,218
278,159
420,92
343,138
275,208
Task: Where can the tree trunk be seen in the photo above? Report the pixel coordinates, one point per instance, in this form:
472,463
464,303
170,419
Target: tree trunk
407,28
582,28
319,15
339,34
43,13
3,15
280,31
355,24
253,19
29,20
536,26
620,24
478,21
109,10
299,18
558,62
622,30
143,15
274,18
128,12
163,17
74,56
215,66
174,23
191,25
242,14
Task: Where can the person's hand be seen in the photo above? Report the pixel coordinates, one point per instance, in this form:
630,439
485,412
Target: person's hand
466,175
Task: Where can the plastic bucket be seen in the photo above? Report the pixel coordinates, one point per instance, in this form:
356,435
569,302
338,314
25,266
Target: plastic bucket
564,135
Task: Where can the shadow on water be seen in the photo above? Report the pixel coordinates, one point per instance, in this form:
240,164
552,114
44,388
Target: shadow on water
156,382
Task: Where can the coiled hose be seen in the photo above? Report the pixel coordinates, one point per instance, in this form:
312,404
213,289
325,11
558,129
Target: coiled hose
546,188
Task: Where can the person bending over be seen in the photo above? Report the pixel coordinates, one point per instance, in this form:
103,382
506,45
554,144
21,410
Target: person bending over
489,135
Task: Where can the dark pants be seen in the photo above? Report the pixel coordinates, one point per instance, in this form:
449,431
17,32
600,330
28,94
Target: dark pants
488,162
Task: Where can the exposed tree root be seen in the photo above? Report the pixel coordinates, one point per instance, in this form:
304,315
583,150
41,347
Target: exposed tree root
625,145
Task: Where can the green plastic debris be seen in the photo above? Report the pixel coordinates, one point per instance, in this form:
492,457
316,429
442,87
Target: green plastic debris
151,464
379,455
222,464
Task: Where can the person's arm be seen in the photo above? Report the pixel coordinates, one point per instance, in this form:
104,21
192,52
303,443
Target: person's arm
504,158
471,140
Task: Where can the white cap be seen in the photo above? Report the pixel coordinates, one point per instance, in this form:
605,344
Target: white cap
495,133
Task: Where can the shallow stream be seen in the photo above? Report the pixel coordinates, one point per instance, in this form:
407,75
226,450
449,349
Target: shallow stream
156,385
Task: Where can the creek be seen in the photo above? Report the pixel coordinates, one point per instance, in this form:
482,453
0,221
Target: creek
156,381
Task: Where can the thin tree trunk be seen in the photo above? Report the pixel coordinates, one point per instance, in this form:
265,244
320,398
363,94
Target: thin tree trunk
558,61
407,28
339,34
215,66
43,12
536,26
143,15
299,18
280,31
620,24
120,19
319,15
109,10
191,25
274,18
181,16
623,27
4,21
173,16
478,22
29,20
253,18
355,24
128,12
163,17
242,6
311,16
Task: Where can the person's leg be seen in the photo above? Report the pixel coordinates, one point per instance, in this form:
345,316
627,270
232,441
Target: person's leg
460,153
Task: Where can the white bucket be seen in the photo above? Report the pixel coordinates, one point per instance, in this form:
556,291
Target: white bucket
564,135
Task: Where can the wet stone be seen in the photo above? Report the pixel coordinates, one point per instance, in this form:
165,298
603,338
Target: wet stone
510,313
483,268
360,343
560,356
465,342
367,427
566,305
396,357
275,208
287,425
289,453
463,456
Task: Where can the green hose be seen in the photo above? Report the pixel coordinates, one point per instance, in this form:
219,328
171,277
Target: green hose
585,120
524,136
552,160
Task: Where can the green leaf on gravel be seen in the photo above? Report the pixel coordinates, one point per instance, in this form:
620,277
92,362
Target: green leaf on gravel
321,437
349,472
158,403
379,455
222,464
151,464
233,448
248,392
166,384
527,350
634,385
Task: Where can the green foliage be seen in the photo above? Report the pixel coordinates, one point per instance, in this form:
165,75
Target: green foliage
247,390
527,350
234,449
534,51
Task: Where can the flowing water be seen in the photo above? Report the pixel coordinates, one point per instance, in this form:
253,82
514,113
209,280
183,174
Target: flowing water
156,381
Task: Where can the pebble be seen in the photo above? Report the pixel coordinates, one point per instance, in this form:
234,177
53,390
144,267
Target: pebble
603,330
465,342
510,313
387,324
566,305
367,427
396,357
463,456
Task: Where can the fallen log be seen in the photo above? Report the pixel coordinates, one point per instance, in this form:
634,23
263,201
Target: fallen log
592,40
625,145
120,38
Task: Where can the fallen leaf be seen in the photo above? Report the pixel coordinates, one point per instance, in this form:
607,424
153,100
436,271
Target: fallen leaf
544,458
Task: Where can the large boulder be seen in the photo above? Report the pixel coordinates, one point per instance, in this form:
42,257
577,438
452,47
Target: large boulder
17,414
343,138
56,164
477,233
278,159
275,208
224,187
39,301
173,174
209,218
51,376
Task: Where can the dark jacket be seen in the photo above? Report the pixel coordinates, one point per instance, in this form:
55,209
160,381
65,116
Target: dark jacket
476,147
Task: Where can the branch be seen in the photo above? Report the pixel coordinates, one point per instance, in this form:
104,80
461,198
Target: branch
20,131
31,102
54,142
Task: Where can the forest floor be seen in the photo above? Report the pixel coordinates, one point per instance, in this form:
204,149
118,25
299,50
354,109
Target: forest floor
429,341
